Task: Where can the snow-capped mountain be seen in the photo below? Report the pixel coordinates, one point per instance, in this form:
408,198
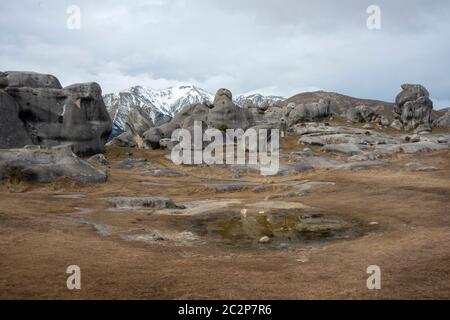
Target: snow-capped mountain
257,99
161,105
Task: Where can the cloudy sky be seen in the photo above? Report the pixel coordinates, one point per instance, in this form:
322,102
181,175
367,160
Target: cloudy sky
278,47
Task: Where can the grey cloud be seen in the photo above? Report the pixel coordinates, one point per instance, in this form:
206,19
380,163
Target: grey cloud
245,45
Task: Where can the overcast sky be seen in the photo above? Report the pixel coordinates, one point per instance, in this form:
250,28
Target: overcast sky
278,47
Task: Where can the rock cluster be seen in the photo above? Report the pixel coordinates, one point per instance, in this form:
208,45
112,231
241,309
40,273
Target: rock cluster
222,114
37,110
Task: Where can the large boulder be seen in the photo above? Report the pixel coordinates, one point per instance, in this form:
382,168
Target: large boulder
444,121
75,115
225,114
312,111
361,114
40,164
12,129
20,79
186,117
413,107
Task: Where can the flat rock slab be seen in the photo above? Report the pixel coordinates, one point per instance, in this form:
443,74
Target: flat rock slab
348,149
164,173
131,163
427,169
299,188
234,186
47,165
356,166
143,202
423,146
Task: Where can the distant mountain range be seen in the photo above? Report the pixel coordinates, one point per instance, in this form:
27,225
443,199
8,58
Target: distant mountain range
161,105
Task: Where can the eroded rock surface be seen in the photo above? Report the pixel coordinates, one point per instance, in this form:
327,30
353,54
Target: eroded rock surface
51,115
38,164
413,107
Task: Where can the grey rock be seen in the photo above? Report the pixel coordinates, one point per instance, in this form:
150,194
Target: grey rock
20,79
167,144
347,149
130,163
442,140
413,107
143,202
99,159
396,124
427,169
419,147
225,114
415,138
136,124
232,186
384,122
165,173
356,166
361,114
312,140
307,112
44,165
152,138
12,129
444,121
75,115
308,162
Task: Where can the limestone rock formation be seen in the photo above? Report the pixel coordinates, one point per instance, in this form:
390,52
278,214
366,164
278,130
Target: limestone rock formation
444,121
225,114
413,107
12,129
136,125
222,114
362,114
41,164
75,115
20,79
312,111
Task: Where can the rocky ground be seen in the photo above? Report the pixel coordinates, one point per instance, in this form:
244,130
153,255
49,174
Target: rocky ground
346,198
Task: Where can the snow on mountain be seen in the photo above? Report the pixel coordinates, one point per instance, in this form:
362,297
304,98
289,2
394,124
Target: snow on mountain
257,99
161,105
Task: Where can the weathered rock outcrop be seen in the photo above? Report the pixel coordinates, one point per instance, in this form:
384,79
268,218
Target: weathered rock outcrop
222,114
75,115
136,125
444,121
413,108
225,114
312,111
12,129
362,114
18,79
40,164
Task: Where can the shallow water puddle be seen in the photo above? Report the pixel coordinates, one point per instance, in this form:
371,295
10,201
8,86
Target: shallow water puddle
276,229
